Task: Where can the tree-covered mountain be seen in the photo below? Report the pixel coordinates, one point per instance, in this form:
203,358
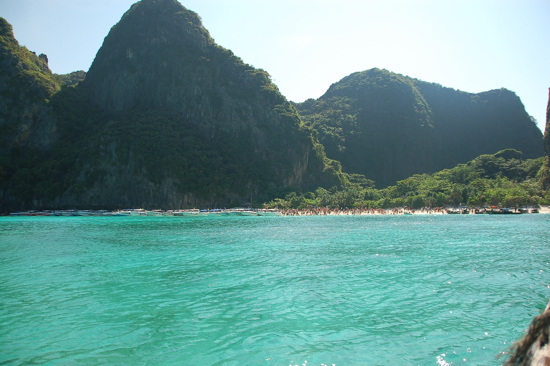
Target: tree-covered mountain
388,126
27,121
164,118
26,83
73,78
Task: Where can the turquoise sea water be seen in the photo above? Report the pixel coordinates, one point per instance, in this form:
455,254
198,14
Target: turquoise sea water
368,290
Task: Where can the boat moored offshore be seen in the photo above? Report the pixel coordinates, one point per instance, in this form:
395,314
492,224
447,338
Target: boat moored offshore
189,212
269,212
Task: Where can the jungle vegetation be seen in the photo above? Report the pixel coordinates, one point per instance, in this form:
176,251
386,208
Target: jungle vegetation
502,179
387,126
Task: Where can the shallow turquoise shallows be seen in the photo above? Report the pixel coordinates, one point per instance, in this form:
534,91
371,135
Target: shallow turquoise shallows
345,290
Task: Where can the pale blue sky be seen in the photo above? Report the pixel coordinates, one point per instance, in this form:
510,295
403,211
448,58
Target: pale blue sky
306,45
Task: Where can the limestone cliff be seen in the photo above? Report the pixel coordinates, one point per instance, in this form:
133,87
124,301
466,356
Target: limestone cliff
26,83
28,125
159,57
388,126
167,118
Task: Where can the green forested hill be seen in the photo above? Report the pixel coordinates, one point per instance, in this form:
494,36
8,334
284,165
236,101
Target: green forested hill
164,118
26,83
73,78
388,126
501,179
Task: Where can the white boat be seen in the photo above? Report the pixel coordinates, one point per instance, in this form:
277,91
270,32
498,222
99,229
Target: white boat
83,213
122,213
240,211
269,212
191,212
97,213
155,213
234,212
138,212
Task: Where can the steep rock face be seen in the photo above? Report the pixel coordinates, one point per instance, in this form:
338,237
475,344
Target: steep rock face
159,57
26,83
28,126
153,57
470,125
389,127
167,118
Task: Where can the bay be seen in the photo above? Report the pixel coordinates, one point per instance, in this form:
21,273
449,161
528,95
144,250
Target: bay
343,290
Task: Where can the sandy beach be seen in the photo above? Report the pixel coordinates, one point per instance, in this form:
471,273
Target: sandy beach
324,211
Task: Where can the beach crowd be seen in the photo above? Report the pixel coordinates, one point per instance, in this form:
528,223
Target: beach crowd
325,211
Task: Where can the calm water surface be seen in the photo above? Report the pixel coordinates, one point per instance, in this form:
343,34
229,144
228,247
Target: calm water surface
369,290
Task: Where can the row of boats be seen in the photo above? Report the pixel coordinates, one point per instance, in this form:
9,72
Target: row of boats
143,213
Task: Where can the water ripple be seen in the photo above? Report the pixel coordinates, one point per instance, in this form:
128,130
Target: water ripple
326,290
